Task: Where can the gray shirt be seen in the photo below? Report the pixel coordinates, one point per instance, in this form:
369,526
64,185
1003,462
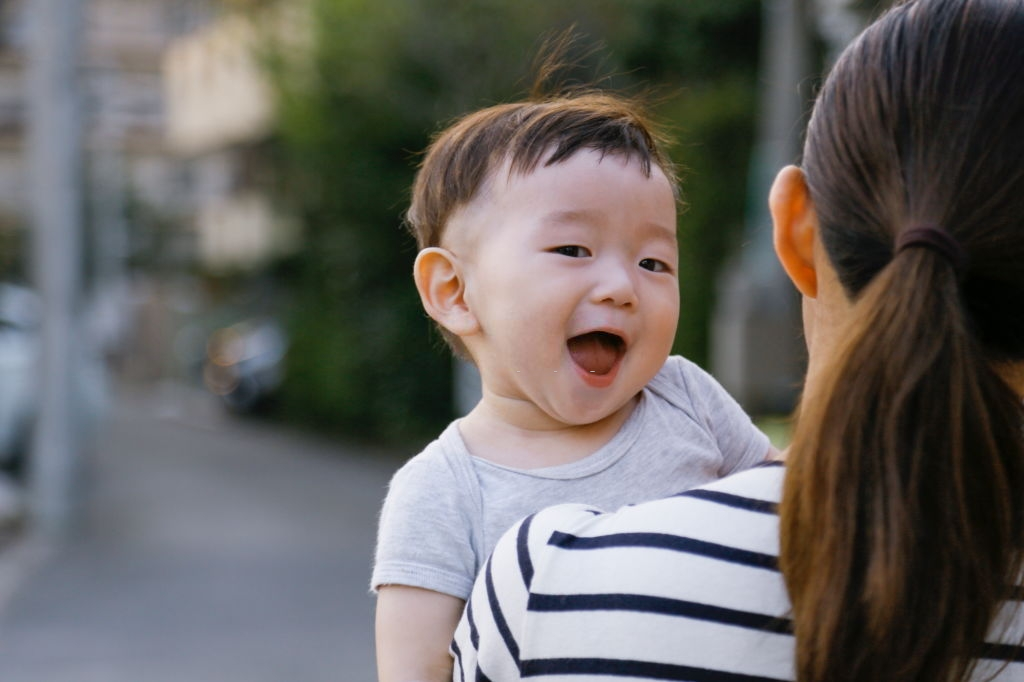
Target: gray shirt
445,509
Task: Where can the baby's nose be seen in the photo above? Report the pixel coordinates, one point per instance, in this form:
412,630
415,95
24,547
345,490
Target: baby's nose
616,285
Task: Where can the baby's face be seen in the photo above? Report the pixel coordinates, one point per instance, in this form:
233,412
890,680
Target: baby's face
571,271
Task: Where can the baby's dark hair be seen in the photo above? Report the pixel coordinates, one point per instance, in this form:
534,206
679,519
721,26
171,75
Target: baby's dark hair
549,130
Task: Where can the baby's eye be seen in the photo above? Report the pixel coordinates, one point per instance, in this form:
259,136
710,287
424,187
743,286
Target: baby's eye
654,265
572,251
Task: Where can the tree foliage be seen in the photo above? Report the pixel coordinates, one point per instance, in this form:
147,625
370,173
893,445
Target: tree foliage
380,78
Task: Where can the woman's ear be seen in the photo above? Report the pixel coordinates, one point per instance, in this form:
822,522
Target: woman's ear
795,228
442,290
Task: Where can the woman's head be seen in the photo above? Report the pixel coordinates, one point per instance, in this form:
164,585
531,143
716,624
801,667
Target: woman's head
921,123
903,514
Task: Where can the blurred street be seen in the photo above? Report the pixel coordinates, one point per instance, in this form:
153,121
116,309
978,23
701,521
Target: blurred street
212,550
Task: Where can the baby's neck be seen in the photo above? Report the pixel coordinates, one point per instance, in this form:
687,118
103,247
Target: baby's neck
533,444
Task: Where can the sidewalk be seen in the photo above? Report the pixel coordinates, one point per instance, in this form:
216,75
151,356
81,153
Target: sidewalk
212,550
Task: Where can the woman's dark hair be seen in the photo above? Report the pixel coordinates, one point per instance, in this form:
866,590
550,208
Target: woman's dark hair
903,510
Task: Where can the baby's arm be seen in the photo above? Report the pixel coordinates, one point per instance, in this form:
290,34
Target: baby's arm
414,630
424,568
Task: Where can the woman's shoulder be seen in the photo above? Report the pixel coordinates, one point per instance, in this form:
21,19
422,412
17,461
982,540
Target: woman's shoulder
762,482
749,498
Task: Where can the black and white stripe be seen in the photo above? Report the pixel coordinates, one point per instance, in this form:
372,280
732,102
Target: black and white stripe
685,588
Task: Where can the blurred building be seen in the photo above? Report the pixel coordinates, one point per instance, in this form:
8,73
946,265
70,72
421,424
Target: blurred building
220,117
175,118
134,188
124,111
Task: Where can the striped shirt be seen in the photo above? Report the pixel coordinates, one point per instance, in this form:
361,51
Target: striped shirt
682,588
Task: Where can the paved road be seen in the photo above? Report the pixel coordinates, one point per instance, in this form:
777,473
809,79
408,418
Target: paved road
211,551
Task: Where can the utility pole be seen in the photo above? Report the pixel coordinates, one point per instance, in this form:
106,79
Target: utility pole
55,162
756,349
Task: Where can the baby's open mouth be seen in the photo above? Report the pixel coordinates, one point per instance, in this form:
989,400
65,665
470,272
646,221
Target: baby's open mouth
596,352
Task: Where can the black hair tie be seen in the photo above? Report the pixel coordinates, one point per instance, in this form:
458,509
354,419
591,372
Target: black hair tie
938,240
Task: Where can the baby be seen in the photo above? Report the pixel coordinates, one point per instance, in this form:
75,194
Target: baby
548,257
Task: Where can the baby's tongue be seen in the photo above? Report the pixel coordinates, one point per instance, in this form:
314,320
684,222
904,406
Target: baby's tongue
595,352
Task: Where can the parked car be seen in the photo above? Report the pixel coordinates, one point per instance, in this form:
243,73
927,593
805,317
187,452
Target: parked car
19,348
244,363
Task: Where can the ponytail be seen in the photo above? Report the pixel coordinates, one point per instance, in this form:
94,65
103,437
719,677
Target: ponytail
901,518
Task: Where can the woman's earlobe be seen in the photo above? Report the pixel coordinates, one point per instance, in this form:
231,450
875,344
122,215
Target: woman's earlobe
442,290
795,229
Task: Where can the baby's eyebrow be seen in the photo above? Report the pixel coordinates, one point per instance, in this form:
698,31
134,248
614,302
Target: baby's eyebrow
669,233
585,217
572,216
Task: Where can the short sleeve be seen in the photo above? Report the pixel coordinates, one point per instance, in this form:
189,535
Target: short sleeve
425,537
741,443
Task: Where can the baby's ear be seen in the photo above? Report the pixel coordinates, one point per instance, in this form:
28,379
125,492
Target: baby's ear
442,290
